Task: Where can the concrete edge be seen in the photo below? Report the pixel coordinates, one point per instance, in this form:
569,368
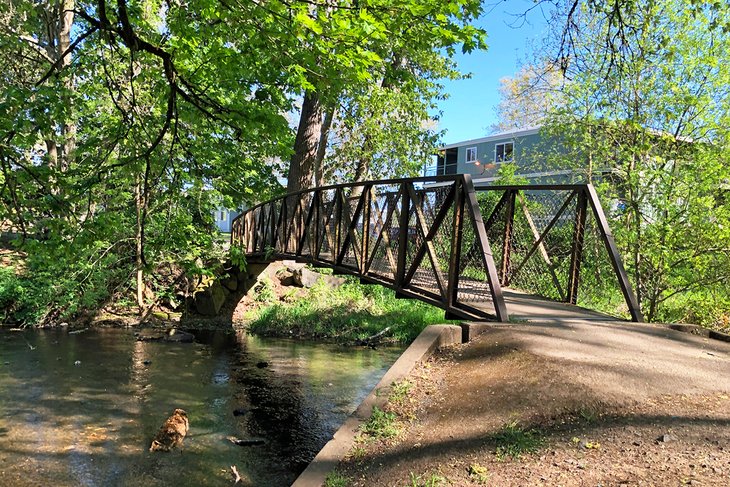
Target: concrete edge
430,339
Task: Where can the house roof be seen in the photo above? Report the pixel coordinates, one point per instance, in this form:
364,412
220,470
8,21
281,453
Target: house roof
494,137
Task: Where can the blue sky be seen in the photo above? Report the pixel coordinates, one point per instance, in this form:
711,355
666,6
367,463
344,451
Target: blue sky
469,111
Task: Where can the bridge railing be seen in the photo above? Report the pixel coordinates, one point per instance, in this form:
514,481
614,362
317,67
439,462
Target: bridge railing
433,238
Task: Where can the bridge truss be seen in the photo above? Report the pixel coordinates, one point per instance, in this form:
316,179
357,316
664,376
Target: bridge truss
446,242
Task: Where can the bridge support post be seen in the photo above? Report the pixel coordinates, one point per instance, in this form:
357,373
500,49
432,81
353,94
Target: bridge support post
405,213
509,220
576,250
452,287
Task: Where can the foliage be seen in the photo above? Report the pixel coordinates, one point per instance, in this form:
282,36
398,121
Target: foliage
335,479
527,98
643,113
432,480
381,425
399,391
513,441
479,473
126,123
264,291
350,312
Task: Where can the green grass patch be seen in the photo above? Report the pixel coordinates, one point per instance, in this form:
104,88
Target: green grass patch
513,441
399,391
348,313
381,425
335,479
432,480
478,473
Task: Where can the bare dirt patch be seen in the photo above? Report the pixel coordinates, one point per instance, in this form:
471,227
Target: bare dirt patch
629,416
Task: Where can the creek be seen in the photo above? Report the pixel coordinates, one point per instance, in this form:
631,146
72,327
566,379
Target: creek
82,409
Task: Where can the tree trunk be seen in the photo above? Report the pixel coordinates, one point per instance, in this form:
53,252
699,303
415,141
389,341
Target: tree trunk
139,241
65,23
319,178
302,164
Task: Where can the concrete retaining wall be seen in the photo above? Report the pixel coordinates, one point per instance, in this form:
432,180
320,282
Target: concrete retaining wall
431,338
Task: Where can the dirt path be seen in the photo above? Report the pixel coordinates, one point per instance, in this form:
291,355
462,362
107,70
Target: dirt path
581,403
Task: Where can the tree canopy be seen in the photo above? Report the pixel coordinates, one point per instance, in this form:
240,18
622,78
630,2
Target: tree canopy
126,122
643,110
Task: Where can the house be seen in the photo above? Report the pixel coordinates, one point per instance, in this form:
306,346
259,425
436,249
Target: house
223,218
483,157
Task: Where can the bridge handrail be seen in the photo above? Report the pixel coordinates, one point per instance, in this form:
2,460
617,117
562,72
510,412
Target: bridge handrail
438,225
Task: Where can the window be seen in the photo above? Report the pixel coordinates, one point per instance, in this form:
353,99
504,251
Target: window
503,152
223,216
471,154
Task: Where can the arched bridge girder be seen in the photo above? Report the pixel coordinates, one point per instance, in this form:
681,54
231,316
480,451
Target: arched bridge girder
427,239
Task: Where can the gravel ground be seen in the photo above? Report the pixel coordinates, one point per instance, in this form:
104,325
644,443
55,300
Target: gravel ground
594,405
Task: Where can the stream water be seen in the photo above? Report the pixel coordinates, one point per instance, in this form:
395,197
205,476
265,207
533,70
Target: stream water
82,409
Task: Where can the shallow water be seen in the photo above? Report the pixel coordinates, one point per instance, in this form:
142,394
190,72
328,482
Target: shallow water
82,409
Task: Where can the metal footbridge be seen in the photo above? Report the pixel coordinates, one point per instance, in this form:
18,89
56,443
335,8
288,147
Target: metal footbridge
478,252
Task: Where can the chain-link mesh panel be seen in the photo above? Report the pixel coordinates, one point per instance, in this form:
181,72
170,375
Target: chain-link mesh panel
473,287
383,249
542,268
431,274
598,286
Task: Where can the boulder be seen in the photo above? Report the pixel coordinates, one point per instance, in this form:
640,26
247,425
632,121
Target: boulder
307,278
286,277
179,336
209,298
230,282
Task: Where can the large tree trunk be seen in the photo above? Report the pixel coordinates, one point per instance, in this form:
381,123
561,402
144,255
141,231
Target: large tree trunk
301,166
139,200
319,177
65,22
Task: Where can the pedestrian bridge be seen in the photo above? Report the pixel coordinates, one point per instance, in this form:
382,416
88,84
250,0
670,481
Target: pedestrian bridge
478,252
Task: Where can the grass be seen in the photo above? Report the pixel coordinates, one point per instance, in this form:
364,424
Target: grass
433,480
335,479
514,441
478,473
381,425
348,313
399,391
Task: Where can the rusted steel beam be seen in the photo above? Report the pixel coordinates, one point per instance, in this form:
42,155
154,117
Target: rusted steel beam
351,224
509,220
576,248
452,288
427,244
437,222
614,255
383,235
403,221
307,224
365,244
500,308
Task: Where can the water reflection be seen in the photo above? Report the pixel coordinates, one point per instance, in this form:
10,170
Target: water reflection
82,409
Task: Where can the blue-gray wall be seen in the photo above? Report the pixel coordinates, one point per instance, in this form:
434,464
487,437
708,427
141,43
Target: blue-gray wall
225,224
529,155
